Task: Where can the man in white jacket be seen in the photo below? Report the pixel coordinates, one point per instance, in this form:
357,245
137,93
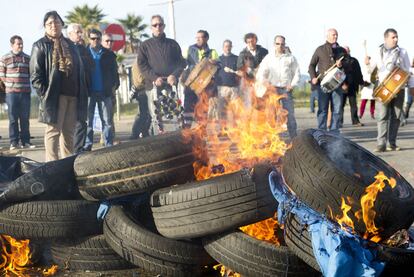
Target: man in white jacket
280,70
389,56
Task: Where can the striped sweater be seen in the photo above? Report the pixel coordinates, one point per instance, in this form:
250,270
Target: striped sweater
14,72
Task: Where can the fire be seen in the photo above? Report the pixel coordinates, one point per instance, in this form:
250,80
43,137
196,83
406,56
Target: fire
367,213
252,135
225,271
16,259
345,221
15,255
263,230
50,271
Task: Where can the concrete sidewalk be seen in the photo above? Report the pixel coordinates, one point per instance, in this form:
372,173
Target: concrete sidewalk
365,136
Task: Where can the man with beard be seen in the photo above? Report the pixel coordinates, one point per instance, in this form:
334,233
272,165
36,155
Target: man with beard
389,55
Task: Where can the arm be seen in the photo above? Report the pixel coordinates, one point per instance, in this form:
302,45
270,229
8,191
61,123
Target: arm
262,74
115,73
313,63
406,65
38,70
240,61
144,65
181,63
295,73
2,70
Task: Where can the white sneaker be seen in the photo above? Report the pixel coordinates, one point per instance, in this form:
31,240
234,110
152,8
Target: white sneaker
13,146
28,145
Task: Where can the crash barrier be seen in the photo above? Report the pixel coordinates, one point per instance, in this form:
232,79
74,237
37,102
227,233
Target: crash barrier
138,205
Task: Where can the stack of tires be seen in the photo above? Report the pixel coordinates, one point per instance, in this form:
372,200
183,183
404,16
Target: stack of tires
44,205
321,168
179,226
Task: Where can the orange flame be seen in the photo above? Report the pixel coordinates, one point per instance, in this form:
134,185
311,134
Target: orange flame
345,220
50,271
251,136
225,271
15,255
263,230
367,213
16,259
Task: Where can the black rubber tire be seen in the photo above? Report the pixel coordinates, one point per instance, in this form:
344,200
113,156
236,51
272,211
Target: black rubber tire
321,167
252,257
134,167
298,240
90,253
150,251
215,205
50,219
51,181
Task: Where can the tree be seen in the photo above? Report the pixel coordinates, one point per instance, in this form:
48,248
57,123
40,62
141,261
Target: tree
87,17
135,31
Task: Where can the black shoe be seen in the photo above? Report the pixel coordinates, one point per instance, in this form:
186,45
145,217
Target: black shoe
379,148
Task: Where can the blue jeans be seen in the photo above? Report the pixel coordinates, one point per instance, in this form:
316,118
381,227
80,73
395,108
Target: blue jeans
105,108
288,104
19,112
335,98
313,98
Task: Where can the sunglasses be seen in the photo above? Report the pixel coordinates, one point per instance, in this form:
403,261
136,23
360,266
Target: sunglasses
95,38
109,40
277,43
158,25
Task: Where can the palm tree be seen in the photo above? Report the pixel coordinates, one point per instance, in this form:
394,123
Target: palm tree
87,17
135,31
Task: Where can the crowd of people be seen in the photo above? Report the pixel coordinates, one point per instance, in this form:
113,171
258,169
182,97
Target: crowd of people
71,78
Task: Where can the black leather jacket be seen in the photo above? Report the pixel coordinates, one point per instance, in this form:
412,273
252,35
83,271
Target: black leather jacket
46,80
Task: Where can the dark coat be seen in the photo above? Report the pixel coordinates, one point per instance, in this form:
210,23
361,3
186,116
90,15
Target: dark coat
160,57
246,55
46,80
109,69
353,73
323,58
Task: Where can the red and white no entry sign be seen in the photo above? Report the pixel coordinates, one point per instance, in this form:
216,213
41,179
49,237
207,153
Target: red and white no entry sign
118,35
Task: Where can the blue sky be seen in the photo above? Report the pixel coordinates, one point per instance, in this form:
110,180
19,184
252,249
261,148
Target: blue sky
302,22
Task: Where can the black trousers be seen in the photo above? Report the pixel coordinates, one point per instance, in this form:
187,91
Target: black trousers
353,106
142,120
80,136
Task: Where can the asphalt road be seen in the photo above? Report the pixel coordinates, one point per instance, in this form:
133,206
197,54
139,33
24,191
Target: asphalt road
365,136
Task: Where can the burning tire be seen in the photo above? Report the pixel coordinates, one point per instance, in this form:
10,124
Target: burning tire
134,167
150,251
252,257
321,168
91,253
50,219
50,181
298,240
215,205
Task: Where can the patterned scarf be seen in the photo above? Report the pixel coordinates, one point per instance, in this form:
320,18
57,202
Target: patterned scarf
61,56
